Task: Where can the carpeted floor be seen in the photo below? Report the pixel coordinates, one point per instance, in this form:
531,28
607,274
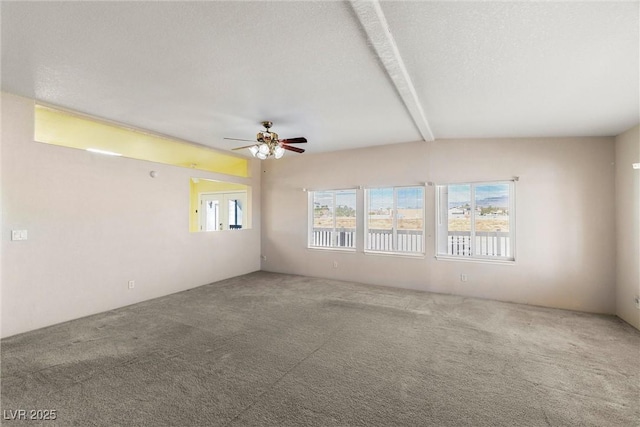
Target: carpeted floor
269,349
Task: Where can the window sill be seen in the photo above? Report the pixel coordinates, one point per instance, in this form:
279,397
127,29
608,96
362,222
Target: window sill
334,249
397,254
506,261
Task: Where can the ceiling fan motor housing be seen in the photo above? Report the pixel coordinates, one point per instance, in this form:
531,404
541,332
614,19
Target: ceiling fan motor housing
267,137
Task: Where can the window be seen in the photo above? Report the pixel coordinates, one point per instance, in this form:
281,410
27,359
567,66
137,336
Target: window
475,220
333,219
395,220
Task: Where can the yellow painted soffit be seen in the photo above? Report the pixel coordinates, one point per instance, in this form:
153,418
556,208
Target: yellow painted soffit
58,127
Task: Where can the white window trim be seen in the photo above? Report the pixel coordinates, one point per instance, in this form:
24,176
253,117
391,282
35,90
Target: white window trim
310,209
412,255
394,223
477,258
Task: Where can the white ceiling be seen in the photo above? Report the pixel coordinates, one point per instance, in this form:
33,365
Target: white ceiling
344,75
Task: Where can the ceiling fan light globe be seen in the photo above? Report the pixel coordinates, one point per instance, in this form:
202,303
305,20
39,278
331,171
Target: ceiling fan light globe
264,149
254,150
278,152
261,156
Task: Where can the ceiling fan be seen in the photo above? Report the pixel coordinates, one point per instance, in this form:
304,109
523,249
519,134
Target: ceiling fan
268,144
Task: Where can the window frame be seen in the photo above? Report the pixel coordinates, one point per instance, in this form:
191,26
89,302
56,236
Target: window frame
334,235
442,219
394,239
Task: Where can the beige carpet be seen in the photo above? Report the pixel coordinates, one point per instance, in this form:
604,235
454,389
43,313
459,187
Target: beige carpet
279,350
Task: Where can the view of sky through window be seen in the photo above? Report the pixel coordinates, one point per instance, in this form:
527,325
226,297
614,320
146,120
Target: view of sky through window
494,194
408,198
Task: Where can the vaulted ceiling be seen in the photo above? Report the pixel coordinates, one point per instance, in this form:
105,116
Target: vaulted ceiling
343,74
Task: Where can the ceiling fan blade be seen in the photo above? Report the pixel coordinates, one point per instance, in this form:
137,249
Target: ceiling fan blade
240,148
298,140
296,149
237,139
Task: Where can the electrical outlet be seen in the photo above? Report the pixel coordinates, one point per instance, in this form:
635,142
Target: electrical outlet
463,277
18,234
132,284
637,301
335,264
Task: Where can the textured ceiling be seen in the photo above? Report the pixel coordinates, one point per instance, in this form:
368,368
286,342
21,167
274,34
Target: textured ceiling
201,71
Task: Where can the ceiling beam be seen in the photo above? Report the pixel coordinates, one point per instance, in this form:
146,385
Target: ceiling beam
375,24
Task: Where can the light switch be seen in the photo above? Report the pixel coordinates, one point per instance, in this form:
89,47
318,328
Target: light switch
18,234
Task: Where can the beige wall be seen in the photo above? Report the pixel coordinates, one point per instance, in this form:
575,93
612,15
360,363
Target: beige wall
95,222
628,225
565,241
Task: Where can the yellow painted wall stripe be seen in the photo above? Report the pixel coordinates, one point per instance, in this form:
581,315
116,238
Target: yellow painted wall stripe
58,127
